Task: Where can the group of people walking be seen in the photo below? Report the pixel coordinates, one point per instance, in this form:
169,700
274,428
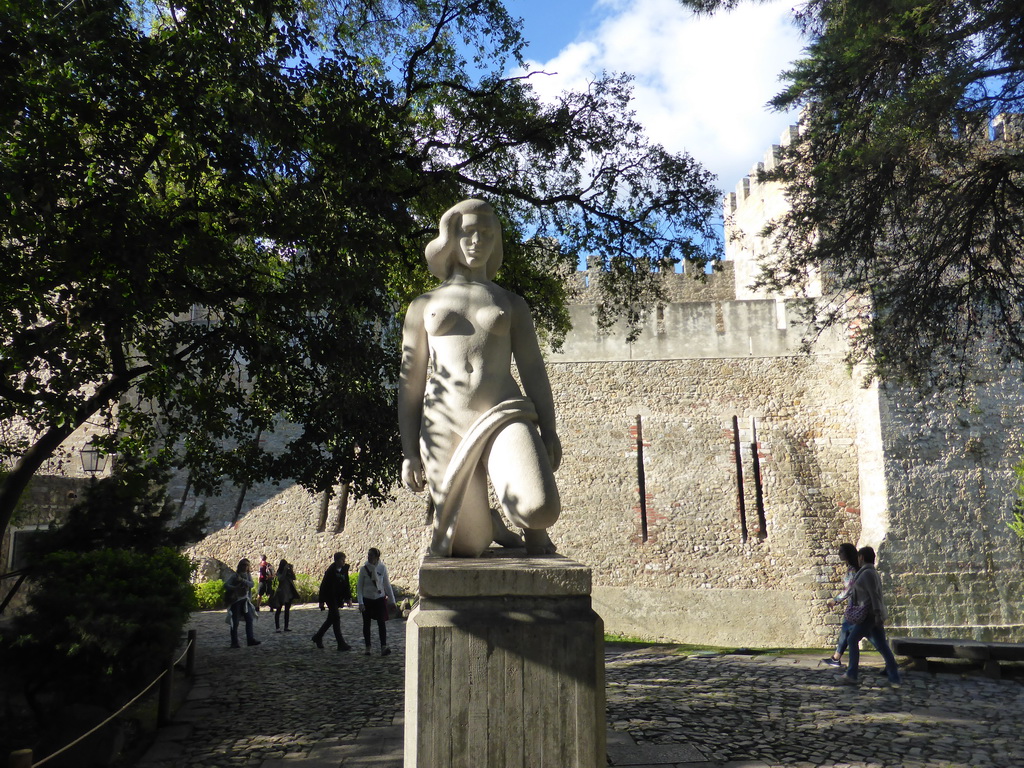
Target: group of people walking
864,616
374,593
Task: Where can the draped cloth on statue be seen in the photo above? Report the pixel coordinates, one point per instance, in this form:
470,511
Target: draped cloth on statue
448,499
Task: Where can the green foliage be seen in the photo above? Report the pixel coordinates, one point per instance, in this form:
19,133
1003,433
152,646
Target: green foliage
210,595
898,193
221,208
109,595
101,624
308,588
1017,524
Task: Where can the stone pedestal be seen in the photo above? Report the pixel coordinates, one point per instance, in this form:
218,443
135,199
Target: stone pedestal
504,666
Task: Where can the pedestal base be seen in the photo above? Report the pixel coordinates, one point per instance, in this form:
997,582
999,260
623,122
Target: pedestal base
504,666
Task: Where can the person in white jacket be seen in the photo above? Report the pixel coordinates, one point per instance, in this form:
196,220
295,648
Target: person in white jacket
375,595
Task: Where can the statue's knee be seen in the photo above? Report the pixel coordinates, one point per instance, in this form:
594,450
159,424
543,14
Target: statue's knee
541,515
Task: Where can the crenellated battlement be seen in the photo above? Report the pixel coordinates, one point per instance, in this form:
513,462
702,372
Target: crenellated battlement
755,203
747,211
692,284
750,185
1008,127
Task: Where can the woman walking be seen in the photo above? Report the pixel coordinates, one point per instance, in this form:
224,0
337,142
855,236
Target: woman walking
847,555
285,594
867,591
238,589
374,592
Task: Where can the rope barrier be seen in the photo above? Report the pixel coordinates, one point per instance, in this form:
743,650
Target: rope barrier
89,733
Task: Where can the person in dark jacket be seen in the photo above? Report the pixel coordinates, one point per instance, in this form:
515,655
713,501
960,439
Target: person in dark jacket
333,590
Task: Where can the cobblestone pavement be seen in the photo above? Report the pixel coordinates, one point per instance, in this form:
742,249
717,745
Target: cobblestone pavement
789,711
288,703
284,699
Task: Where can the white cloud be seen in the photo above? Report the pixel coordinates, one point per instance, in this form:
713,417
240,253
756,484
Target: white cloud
701,83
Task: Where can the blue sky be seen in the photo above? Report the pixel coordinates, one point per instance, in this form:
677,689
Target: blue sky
701,83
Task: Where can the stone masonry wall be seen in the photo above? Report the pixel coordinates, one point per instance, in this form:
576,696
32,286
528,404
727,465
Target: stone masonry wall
687,285
695,579
953,566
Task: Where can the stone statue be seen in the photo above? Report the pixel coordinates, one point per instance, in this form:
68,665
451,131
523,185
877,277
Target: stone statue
469,421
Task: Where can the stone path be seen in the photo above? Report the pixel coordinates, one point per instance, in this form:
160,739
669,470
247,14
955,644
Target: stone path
285,704
283,700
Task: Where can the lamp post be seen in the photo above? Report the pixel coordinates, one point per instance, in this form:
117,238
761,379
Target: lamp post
92,460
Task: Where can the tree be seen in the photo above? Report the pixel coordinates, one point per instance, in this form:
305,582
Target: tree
902,189
214,213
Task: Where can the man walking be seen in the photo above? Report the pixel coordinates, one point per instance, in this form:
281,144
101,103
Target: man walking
333,588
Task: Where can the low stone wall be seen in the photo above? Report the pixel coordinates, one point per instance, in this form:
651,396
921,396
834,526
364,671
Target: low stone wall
726,617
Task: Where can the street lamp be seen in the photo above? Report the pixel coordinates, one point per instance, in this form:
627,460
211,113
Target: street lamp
92,460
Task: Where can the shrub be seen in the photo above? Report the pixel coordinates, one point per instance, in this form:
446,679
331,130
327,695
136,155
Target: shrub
307,587
101,623
210,595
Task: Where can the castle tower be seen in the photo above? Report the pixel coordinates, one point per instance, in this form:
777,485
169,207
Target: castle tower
747,211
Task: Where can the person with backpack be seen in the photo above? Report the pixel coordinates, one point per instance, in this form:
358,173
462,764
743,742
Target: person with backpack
374,593
333,588
266,578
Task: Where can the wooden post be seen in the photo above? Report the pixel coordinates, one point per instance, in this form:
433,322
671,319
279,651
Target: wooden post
20,758
339,526
190,654
325,508
163,711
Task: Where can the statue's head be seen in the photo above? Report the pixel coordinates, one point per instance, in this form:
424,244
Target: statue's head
440,251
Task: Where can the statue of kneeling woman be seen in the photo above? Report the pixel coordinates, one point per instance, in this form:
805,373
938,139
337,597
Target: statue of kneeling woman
469,421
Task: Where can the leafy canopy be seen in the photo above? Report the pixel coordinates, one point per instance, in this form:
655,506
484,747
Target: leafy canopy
900,189
214,214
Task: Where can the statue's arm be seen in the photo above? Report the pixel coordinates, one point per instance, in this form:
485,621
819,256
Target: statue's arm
412,384
534,376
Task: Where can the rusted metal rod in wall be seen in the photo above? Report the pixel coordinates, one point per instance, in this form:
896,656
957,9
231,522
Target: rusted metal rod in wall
640,477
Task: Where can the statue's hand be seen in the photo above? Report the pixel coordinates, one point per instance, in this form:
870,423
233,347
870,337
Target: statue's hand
554,449
412,475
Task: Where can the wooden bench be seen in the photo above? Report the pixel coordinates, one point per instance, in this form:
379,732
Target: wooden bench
989,654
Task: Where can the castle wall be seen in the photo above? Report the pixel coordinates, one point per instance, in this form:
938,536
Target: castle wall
927,483
823,460
690,284
936,480
53,490
696,578
952,565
